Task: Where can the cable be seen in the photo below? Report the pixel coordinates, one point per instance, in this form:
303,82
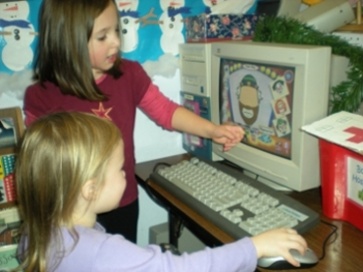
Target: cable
334,232
157,165
149,191
232,165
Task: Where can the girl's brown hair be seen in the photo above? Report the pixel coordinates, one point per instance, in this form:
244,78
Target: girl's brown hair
65,28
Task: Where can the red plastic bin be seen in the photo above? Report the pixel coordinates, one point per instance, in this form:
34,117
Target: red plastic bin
338,168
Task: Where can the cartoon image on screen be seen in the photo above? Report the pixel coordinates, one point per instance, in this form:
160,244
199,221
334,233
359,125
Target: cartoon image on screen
259,98
281,106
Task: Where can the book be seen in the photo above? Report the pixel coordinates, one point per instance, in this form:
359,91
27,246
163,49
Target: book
9,226
7,182
8,258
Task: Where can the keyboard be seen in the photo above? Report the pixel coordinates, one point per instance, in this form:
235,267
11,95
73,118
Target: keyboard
237,204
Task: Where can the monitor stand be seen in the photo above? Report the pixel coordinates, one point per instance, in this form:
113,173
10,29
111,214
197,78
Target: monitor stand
267,182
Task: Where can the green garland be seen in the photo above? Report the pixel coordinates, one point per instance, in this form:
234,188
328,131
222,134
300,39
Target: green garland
346,96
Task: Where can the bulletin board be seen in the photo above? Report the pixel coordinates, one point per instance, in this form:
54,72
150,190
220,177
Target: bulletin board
18,39
150,28
151,31
156,27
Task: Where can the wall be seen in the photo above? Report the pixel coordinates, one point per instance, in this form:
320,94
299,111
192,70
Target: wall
148,146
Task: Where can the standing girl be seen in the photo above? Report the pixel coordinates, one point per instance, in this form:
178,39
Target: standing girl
69,169
78,68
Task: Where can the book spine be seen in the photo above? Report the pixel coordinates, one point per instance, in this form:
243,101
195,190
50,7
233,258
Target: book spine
7,183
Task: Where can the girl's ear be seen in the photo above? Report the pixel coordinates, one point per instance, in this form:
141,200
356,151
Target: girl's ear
88,191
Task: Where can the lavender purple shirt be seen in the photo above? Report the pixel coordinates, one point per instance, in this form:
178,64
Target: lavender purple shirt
99,251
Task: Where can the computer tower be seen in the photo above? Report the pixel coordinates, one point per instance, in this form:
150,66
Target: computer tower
195,77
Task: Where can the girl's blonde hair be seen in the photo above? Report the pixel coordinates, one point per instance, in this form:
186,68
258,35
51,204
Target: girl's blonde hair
65,27
58,154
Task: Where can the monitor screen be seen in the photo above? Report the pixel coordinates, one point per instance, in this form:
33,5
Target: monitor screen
259,98
271,90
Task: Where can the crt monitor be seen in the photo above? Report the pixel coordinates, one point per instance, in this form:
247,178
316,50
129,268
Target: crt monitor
272,90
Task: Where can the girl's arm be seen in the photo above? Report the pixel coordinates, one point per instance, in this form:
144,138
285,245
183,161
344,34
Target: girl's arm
227,134
158,107
172,116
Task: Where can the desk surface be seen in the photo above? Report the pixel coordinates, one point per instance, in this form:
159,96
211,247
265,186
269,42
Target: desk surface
344,254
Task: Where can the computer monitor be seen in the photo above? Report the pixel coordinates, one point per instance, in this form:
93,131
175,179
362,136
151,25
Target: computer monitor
271,90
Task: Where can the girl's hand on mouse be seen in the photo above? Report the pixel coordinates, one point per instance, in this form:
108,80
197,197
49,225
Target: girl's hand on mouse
278,242
227,135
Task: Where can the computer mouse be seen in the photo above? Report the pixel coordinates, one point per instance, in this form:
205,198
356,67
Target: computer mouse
309,259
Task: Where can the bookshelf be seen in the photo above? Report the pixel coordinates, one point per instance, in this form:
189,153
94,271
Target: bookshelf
11,130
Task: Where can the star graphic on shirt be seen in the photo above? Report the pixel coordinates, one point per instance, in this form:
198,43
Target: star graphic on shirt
102,112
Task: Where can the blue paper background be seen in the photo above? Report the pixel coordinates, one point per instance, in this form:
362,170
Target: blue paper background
9,15
149,35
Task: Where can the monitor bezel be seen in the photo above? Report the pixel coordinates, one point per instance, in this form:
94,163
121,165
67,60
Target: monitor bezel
310,103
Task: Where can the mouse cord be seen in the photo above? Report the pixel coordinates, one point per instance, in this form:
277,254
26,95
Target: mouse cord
327,239
160,165
156,167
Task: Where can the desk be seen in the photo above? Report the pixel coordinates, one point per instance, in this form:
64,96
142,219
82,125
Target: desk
344,255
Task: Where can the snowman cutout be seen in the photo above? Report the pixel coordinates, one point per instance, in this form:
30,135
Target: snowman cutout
129,20
18,34
171,25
